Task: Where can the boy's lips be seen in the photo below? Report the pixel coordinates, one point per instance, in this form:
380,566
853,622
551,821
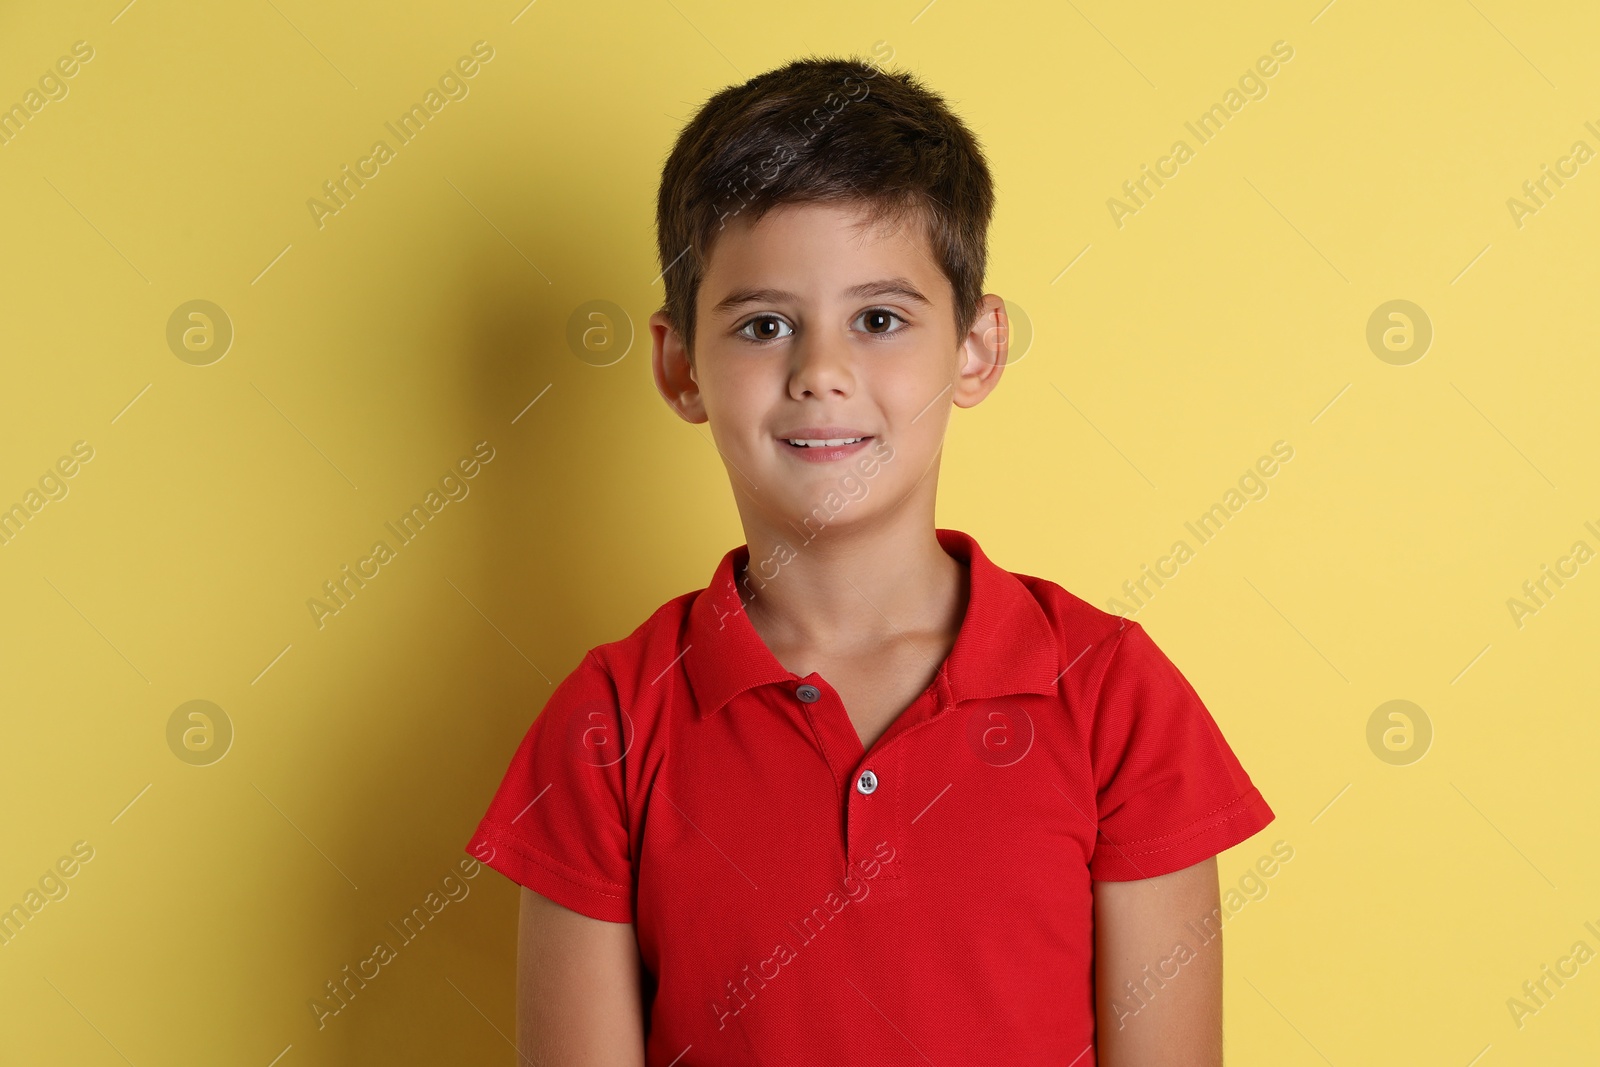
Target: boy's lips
824,453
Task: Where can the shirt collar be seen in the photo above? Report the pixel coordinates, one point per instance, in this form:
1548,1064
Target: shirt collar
1005,644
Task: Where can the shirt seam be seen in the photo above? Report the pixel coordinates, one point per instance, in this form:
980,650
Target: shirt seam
1199,825
603,664
555,866
1105,669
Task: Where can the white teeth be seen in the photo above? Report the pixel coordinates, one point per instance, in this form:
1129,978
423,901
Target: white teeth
834,443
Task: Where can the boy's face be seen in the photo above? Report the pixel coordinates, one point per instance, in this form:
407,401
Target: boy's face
804,322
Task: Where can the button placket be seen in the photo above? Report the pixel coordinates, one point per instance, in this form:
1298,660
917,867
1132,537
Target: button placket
830,725
871,810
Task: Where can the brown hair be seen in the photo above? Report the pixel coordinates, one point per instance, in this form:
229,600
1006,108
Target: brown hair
827,130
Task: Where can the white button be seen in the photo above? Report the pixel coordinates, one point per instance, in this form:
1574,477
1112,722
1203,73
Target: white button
867,782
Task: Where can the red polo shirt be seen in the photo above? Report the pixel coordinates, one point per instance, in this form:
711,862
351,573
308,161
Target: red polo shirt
798,900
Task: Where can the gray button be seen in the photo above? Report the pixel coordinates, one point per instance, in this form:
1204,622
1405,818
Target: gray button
867,782
808,693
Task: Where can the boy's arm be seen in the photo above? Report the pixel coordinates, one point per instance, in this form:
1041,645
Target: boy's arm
1173,1015
578,991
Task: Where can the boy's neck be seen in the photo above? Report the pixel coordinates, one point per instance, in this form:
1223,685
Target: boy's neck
853,588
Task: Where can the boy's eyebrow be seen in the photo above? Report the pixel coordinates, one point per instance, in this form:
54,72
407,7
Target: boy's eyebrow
900,287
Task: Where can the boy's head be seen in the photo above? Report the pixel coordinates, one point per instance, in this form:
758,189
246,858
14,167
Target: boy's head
825,130
822,231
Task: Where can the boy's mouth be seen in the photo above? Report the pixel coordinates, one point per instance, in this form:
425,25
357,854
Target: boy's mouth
830,442
822,437
824,444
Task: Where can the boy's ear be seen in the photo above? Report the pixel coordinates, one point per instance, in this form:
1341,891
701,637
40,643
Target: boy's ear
983,353
675,376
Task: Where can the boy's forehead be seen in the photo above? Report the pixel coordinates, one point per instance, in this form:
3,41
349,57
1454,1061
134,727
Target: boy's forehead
807,245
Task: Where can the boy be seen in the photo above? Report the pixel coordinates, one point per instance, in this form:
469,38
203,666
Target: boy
868,797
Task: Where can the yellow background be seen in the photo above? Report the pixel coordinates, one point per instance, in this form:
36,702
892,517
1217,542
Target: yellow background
373,352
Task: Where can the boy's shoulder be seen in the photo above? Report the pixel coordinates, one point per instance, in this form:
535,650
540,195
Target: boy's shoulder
1086,637
668,619
647,651
1069,614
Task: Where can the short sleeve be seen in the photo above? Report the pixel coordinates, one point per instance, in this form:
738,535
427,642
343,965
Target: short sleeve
558,822
1169,790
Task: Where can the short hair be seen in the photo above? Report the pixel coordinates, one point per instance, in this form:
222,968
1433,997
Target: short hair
825,130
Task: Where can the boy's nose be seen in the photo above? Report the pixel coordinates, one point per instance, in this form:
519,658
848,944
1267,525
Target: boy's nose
820,364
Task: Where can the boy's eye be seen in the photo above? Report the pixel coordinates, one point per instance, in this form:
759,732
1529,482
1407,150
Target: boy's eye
765,328
876,316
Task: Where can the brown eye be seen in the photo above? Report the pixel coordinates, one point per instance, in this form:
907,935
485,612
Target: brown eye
765,327
877,320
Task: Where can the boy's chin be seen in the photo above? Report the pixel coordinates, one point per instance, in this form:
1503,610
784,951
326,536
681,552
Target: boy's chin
834,514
